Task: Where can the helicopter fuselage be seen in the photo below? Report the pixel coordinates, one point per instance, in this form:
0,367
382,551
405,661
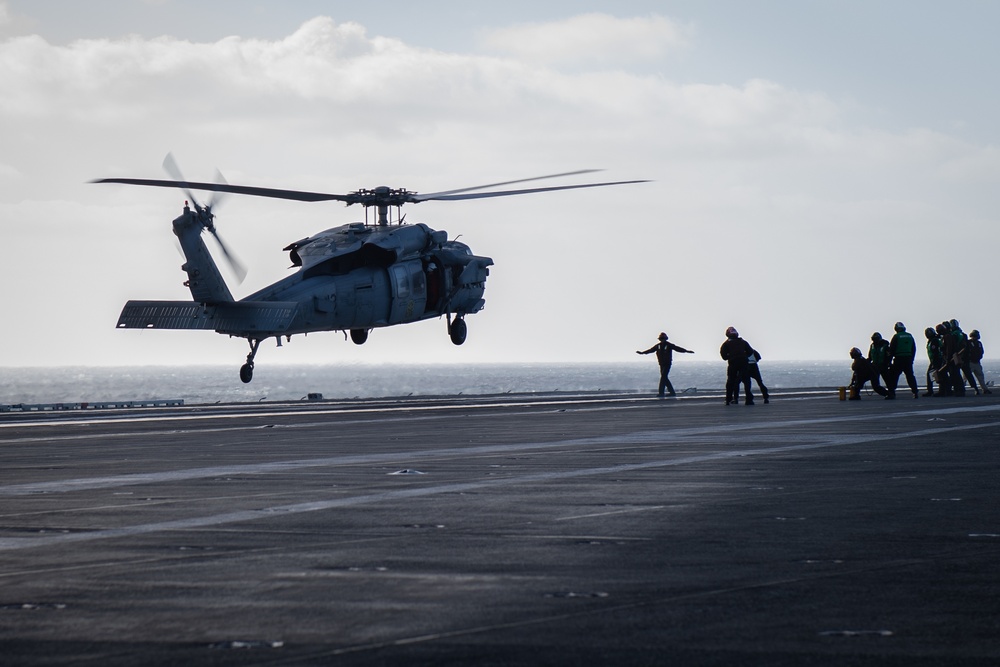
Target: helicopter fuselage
361,277
354,277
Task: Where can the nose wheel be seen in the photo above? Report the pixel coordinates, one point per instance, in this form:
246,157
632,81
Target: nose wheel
246,370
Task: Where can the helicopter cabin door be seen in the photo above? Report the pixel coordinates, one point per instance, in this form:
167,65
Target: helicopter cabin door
409,291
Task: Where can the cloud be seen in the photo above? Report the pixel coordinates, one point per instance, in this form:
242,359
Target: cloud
12,23
757,179
592,39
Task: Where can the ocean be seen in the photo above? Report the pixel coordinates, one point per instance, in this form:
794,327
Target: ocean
221,384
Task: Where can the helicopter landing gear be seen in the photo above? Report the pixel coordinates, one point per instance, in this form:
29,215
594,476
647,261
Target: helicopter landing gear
458,330
246,370
359,336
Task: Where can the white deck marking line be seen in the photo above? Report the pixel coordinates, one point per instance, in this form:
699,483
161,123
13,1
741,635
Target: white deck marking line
611,513
18,543
247,413
665,436
596,404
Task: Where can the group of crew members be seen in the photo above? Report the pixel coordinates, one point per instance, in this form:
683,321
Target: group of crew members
741,368
954,360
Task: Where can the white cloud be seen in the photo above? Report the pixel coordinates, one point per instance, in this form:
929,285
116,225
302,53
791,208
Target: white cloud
592,38
756,179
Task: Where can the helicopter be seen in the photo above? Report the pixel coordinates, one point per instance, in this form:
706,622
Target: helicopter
353,278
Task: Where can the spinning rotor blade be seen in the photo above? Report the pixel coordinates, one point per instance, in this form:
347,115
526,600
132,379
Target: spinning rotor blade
505,193
234,263
435,195
218,196
170,166
294,195
381,196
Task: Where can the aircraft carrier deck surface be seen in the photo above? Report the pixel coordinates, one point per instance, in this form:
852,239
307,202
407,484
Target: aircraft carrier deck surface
516,530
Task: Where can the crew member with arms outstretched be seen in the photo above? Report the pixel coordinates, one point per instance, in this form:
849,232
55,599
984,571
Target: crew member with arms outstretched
665,357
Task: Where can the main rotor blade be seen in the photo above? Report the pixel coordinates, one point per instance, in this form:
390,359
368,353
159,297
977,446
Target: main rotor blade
295,195
497,185
505,193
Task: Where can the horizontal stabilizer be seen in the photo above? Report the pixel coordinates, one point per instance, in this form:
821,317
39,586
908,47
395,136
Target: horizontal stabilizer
240,318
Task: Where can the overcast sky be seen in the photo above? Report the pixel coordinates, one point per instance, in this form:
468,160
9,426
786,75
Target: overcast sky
820,170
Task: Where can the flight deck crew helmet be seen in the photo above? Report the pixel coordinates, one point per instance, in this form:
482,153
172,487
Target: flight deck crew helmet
662,336
930,333
974,333
876,336
731,332
900,326
856,353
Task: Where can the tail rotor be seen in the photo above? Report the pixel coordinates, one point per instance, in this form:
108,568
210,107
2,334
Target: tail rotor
205,215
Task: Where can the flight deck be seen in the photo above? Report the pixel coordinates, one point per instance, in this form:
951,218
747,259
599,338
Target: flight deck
557,529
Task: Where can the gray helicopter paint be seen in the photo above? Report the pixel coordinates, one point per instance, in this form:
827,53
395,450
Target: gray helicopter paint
363,298
353,277
239,316
204,280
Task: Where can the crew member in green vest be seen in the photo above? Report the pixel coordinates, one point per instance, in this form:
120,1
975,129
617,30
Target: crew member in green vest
902,349
878,354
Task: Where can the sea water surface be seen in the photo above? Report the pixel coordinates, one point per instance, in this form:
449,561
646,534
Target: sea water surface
221,384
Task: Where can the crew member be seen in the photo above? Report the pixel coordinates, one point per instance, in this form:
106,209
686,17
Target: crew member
962,361
878,354
664,356
754,370
947,371
976,353
736,352
902,349
864,371
935,360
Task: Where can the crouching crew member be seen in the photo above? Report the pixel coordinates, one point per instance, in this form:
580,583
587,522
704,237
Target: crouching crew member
864,371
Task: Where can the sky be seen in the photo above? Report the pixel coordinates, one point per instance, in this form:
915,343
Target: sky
818,171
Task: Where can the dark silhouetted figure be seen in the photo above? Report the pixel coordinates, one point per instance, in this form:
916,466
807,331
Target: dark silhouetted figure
736,352
947,371
665,357
976,352
864,371
902,349
935,360
963,361
754,370
878,354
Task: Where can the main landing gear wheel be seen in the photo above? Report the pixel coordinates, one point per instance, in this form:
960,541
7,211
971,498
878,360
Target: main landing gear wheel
359,336
458,331
246,370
